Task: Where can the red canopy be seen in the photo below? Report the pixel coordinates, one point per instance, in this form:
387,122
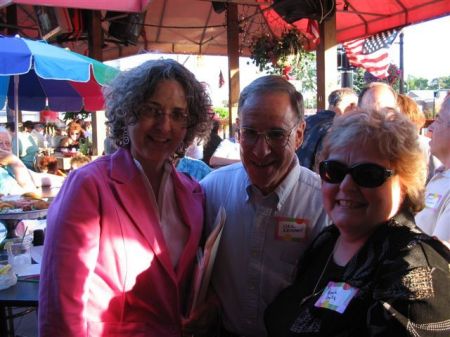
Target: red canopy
194,27
359,18
113,5
198,27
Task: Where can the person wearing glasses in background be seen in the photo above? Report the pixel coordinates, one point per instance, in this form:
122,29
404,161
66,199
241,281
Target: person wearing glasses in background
434,219
15,177
273,206
123,232
373,272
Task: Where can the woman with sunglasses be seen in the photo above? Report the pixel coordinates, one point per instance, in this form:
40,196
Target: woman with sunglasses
373,272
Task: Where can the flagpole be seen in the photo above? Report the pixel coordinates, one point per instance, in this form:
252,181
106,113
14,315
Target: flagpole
345,69
402,71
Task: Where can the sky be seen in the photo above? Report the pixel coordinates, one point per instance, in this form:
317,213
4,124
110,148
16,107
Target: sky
426,54
426,49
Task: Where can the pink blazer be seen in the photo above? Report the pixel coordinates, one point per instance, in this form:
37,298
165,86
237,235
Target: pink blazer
106,270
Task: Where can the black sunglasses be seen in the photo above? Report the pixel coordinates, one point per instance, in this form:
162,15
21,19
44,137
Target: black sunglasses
365,175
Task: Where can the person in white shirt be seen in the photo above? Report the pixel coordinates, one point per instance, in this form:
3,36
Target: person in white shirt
228,152
273,206
434,219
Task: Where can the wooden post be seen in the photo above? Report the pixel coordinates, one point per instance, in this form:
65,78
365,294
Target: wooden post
233,62
95,43
327,73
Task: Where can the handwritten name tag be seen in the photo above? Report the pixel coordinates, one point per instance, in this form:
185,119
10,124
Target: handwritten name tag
291,229
336,296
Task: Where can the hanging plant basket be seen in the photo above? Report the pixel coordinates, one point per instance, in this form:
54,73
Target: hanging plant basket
278,55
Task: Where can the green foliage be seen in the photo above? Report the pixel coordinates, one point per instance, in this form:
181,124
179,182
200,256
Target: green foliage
71,116
420,83
276,55
440,83
221,111
86,147
416,83
306,71
358,79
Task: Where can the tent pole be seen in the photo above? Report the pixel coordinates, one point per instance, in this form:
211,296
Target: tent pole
402,66
16,114
233,63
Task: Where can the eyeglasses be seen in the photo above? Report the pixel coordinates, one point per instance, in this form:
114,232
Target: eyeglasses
273,138
5,144
439,121
177,116
365,175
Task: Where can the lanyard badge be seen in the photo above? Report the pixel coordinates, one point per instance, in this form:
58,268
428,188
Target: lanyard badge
336,296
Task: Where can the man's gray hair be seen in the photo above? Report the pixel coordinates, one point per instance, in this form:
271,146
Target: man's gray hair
274,83
338,95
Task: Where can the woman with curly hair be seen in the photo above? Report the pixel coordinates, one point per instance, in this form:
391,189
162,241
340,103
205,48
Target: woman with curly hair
124,230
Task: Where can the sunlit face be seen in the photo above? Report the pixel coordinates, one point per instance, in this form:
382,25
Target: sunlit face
356,210
267,165
154,140
74,134
440,133
5,142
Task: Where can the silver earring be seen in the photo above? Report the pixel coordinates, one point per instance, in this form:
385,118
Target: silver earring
182,148
125,138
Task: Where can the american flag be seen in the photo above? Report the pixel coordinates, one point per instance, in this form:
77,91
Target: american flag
372,53
221,79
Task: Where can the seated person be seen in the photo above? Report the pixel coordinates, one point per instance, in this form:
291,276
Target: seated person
49,164
372,272
196,168
28,145
78,161
74,135
15,177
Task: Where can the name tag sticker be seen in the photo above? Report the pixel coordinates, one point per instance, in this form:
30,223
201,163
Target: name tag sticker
291,229
432,200
336,296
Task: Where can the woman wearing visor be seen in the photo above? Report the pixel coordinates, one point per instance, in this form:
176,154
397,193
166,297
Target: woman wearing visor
373,272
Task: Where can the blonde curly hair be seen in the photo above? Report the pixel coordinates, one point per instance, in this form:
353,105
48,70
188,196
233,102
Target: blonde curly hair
394,136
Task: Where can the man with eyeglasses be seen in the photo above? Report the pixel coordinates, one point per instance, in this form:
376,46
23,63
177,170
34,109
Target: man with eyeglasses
273,206
434,219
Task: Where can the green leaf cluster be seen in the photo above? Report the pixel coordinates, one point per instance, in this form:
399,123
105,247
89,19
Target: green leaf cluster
272,54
